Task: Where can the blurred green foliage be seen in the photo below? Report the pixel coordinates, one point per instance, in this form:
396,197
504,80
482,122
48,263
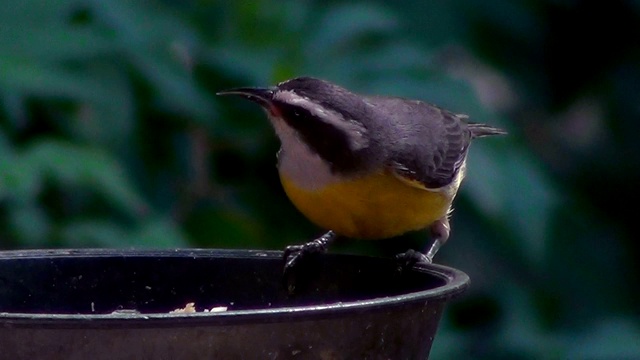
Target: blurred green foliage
111,135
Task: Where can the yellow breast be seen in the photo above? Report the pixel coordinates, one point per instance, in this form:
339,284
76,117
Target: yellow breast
371,207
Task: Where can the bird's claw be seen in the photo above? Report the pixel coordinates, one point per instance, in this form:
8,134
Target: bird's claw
294,254
408,259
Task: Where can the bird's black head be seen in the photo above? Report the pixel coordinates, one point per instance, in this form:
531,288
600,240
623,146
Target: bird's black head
327,117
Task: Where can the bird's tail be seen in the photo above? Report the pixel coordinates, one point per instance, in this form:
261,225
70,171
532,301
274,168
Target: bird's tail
480,130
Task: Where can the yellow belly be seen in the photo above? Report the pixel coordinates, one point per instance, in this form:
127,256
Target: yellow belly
371,207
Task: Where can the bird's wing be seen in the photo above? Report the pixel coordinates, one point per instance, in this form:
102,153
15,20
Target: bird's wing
431,144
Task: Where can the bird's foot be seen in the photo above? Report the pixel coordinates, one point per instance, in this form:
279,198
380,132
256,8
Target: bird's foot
407,259
294,255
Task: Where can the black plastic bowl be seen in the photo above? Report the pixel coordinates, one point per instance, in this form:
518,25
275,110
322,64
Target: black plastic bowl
115,304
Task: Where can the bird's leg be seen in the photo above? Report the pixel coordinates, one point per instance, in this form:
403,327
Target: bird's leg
439,231
440,234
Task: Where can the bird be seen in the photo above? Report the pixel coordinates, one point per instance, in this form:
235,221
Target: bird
366,166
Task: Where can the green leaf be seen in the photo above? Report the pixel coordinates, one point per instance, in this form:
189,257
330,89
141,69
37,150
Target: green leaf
344,25
142,24
150,233
19,181
73,165
30,223
220,226
526,209
54,42
158,233
110,119
612,338
94,233
516,17
15,107
42,79
161,47
235,61
176,88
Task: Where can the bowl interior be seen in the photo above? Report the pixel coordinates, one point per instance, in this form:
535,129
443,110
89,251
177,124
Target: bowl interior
104,281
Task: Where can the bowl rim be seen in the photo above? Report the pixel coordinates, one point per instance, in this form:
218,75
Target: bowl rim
456,282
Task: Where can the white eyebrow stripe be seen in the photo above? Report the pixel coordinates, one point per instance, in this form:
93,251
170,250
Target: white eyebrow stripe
353,128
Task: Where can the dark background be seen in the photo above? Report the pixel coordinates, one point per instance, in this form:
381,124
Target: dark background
111,136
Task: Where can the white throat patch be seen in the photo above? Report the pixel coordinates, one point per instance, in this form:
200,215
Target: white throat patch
298,162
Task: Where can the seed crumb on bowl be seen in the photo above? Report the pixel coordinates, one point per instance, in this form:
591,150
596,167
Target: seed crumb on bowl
191,308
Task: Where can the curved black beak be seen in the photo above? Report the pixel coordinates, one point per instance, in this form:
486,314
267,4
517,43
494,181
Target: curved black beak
261,96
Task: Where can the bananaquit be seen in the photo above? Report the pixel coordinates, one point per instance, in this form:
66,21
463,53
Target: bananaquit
366,167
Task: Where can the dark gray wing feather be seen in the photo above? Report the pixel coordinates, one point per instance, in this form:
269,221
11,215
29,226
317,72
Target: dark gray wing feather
430,143
437,163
